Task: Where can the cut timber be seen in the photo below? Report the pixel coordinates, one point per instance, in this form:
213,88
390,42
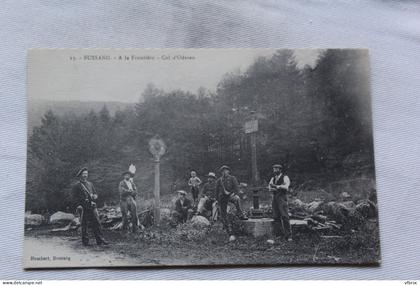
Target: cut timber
263,227
298,223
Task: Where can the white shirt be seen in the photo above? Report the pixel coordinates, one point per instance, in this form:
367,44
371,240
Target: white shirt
129,185
286,180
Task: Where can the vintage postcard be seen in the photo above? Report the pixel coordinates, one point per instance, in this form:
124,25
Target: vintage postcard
196,157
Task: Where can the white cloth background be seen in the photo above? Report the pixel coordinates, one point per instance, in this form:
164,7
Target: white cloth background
390,29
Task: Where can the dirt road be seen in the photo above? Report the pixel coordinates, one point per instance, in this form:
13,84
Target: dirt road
63,251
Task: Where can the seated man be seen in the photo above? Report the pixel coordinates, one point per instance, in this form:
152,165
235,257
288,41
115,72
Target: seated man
208,200
183,209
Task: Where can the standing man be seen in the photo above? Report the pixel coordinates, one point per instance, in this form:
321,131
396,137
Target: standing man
208,199
183,209
128,193
85,195
279,186
194,182
227,191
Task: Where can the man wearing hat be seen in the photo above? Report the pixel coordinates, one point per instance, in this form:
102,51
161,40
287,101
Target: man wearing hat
85,195
183,208
128,193
227,191
279,186
208,200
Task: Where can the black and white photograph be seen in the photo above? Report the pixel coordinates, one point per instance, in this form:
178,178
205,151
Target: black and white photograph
199,157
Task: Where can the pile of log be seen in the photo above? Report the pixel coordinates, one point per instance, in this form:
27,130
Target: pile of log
332,216
111,217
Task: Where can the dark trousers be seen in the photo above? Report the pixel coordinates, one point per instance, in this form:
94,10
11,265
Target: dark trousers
224,200
194,193
90,219
180,217
281,224
128,204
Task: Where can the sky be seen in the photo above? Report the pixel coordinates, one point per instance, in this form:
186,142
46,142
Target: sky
122,75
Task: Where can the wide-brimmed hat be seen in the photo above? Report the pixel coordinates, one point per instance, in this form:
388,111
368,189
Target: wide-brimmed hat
224,167
277,166
212,175
81,171
182,192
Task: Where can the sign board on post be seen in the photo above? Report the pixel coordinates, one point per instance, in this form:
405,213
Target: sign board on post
157,147
251,126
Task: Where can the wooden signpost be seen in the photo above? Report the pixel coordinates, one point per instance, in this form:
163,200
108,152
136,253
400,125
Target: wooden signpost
157,148
251,127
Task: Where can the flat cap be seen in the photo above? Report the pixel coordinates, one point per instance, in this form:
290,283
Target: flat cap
224,167
212,174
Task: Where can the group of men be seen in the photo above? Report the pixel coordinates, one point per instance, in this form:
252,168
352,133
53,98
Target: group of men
215,196
218,192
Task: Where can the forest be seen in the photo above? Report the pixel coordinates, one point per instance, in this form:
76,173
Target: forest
315,120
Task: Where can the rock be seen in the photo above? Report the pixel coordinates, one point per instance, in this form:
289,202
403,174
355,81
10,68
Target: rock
34,220
61,218
200,221
345,195
165,213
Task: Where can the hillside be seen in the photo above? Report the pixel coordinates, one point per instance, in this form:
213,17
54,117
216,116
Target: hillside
37,109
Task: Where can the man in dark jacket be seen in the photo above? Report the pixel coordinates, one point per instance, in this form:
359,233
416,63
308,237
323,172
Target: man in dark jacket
279,186
183,208
227,191
85,195
128,193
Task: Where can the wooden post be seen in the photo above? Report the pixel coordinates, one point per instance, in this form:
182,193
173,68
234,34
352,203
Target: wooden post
157,191
255,176
251,128
158,148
